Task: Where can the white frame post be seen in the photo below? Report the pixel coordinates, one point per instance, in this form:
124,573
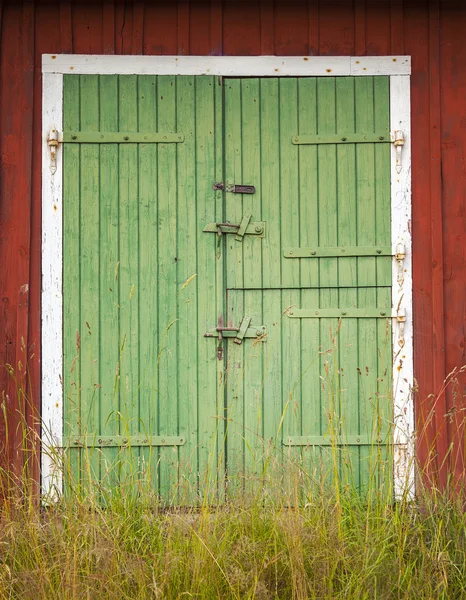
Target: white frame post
398,68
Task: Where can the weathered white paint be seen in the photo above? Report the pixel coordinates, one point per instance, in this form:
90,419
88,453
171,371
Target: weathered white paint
54,66
236,66
52,306
380,65
403,376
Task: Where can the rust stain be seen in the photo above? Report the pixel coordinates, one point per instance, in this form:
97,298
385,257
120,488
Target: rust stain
305,58
54,207
394,60
53,57
71,68
328,70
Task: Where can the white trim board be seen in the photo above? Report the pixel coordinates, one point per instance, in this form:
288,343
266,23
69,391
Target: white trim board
235,66
54,66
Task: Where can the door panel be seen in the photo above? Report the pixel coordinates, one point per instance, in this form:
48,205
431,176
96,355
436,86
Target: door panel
315,397
141,285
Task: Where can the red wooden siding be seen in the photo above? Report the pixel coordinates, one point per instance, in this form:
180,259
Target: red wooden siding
431,31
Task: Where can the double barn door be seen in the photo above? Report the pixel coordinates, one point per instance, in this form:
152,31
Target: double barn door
227,284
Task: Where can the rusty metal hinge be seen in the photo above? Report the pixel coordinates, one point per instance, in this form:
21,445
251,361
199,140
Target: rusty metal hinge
234,188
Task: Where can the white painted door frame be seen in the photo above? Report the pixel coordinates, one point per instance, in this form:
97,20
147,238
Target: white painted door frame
398,68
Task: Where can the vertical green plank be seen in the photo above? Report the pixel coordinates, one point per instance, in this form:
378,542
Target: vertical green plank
207,249
271,256
252,273
328,236
234,278
168,284
149,339
218,466
367,296
71,269
128,276
89,281
188,333
384,398
347,278
309,275
108,251
291,338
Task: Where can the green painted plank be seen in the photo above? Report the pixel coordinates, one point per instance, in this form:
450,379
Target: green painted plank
320,440
167,291
186,266
347,278
149,335
289,220
345,136
71,282
108,264
208,263
271,275
89,273
309,273
103,136
328,269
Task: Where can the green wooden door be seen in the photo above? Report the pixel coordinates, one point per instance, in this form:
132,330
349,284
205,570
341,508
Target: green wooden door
312,403
141,283
151,401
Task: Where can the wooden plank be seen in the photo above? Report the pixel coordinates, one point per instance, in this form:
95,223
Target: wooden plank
438,308
360,27
168,293
309,272
186,264
149,334
313,27
182,27
267,27
216,28
396,27
109,261
289,231
66,27
89,315
137,42
108,27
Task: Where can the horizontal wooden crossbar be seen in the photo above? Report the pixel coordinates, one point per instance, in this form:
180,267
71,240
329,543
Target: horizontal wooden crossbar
336,313
348,440
343,138
121,441
128,137
337,251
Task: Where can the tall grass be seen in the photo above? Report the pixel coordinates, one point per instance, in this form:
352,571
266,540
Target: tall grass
278,538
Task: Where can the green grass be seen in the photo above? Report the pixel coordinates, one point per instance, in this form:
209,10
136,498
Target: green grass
336,546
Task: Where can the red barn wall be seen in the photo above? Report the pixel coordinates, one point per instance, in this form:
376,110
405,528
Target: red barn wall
431,31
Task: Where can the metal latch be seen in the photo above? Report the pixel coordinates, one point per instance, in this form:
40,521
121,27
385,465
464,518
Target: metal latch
52,143
246,227
245,330
400,256
398,142
234,188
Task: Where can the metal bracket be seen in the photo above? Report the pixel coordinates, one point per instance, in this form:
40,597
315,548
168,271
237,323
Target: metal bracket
120,137
244,331
337,251
256,228
398,142
234,188
121,441
242,227
52,143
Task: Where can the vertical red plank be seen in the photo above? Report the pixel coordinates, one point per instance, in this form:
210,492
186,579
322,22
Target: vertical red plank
378,31
436,240
17,68
359,27
336,34
182,30
313,27
453,171
267,28
87,28
241,31
199,28
160,28
216,28
291,28
108,27
416,44
396,27
137,46
66,27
